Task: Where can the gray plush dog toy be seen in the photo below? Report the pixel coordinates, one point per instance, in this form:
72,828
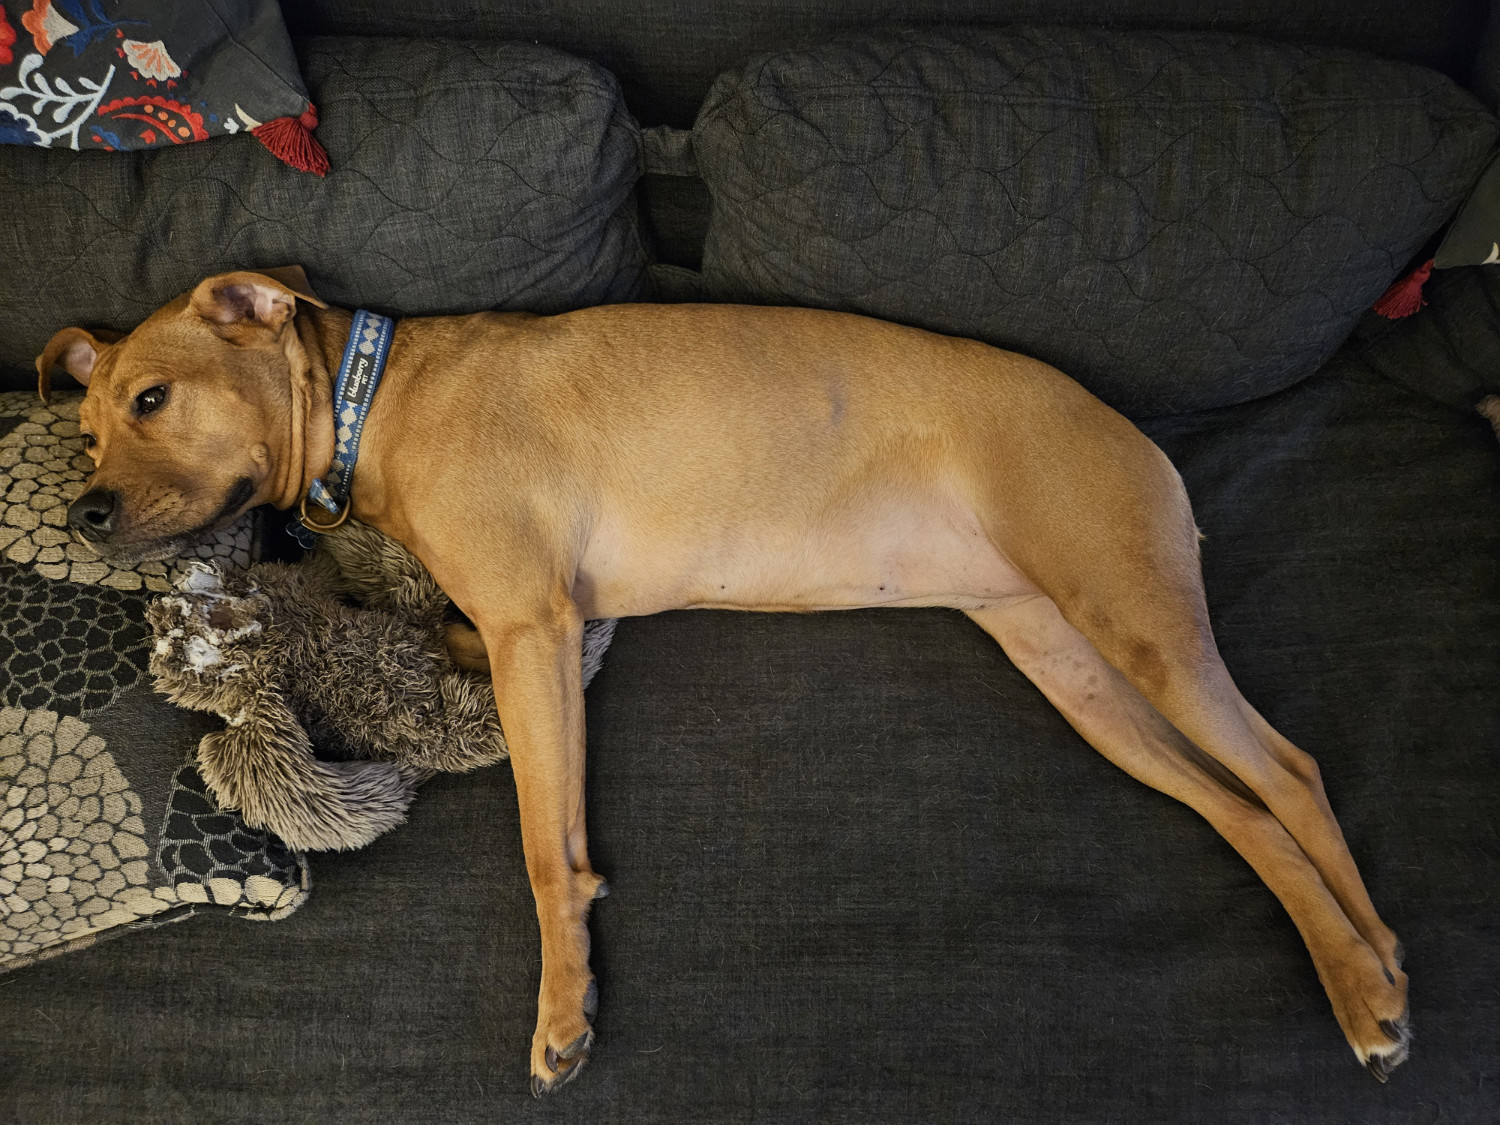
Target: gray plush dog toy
345,653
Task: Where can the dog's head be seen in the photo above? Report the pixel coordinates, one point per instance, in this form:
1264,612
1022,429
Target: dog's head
185,417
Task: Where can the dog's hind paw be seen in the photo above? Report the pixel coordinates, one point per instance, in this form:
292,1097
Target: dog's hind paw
1369,995
1380,1061
562,1066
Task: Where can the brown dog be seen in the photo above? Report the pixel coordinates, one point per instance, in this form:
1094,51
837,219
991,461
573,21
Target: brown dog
636,458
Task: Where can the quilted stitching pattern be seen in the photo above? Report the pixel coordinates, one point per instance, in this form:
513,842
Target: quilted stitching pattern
465,177
1177,220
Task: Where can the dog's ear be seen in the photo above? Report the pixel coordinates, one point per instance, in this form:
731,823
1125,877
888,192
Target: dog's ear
238,304
77,350
295,279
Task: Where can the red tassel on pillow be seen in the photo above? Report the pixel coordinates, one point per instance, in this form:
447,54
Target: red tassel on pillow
291,140
1405,297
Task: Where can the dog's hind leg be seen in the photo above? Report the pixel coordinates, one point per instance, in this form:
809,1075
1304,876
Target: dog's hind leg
1238,788
466,647
1162,643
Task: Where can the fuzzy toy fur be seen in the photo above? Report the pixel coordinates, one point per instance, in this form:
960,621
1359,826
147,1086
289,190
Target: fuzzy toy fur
344,653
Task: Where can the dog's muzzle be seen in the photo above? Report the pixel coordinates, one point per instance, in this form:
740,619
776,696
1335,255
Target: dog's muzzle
92,515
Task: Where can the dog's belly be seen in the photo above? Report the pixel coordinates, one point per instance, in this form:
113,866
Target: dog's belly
922,550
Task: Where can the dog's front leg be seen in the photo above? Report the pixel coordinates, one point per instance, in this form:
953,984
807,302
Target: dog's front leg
539,693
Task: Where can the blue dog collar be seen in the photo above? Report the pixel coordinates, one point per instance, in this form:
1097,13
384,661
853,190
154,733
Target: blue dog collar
359,375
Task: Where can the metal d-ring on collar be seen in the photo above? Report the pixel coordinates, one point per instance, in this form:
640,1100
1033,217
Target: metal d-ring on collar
317,525
359,376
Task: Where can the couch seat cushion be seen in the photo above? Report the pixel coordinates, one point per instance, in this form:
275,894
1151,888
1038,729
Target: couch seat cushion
862,871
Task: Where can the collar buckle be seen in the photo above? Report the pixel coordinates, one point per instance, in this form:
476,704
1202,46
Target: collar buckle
319,526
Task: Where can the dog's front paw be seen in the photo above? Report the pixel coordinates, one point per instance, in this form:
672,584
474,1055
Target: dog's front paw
564,1037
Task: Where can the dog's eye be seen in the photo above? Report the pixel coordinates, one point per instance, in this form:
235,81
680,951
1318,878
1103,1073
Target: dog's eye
150,401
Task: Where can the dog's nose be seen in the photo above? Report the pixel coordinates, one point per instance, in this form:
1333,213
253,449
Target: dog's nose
92,515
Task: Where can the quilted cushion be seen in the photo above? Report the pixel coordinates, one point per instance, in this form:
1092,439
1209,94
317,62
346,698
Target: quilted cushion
1177,220
465,177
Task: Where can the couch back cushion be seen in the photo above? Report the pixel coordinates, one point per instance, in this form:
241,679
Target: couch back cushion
465,177
1177,220
667,54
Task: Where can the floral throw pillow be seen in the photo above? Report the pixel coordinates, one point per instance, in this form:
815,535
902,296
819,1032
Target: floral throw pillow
114,75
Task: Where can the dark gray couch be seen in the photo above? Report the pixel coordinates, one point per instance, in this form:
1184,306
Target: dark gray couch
861,870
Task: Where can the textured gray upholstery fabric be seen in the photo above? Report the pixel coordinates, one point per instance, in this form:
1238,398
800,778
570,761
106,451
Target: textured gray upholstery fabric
667,53
1450,352
1177,221
863,872
1484,79
465,177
